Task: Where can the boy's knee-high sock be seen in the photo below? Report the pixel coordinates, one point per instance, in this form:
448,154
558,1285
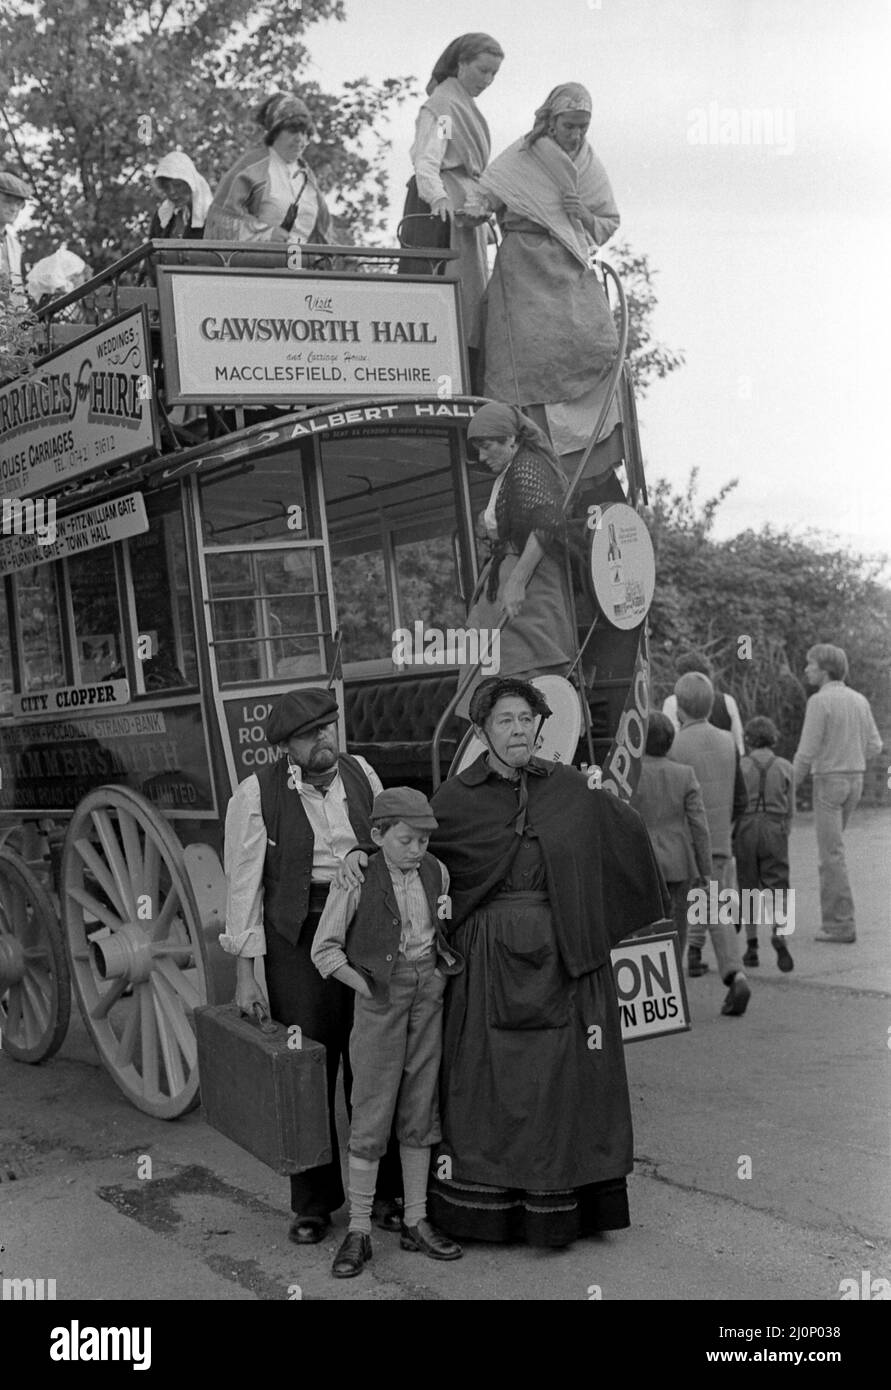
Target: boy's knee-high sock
362,1182
415,1172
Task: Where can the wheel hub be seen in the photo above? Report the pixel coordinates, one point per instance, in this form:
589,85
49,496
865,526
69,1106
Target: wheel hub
12,962
127,954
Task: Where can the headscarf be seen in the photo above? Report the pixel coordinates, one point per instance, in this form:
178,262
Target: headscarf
282,107
463,49
495,420
178,165
569,96
54,275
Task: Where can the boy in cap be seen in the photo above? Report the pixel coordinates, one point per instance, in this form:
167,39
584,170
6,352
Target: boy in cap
385,942
761,834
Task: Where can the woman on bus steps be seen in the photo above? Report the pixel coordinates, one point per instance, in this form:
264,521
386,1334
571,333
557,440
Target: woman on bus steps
526,575
271,194
450,150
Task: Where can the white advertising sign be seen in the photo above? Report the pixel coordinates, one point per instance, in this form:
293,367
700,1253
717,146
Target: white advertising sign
650,986
85,530
81,409
271,337
623,565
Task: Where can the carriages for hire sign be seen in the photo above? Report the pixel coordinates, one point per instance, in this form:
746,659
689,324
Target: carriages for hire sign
263,336
81,409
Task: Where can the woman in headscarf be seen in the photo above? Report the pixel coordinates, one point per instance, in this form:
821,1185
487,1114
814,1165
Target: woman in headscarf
271,194
185,199
450,150
550,338
546,877
524,524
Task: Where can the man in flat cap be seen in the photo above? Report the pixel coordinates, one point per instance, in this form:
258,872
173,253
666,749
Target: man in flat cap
13,196
292,830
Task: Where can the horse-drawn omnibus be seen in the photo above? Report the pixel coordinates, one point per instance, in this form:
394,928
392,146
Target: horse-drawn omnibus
243,476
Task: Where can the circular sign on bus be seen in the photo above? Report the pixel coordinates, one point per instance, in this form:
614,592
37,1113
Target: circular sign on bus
623,566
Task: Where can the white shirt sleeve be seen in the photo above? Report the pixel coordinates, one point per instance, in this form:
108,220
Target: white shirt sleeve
736,727
427,155
244,858
374,781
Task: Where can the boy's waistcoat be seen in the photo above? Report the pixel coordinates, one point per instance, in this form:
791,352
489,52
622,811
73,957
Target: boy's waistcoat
372,939
287,871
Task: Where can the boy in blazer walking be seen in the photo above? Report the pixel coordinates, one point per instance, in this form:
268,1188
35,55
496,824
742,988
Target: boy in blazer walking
384,941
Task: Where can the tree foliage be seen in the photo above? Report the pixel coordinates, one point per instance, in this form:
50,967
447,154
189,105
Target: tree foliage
780,591
649,360
100,90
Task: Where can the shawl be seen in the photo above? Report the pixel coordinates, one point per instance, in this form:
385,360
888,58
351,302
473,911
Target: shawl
531,181
467,131
602,876
232,217
178,165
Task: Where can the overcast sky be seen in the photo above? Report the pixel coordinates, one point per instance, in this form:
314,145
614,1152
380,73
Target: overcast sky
771,258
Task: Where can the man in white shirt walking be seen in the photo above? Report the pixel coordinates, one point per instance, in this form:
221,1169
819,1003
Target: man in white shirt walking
838,737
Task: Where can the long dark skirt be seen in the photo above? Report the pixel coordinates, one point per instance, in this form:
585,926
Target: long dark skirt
537,1135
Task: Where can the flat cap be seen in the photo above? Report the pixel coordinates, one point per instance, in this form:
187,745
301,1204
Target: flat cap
299,712
13,186
404,803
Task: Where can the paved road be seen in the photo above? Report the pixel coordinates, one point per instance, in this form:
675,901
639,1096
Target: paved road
799,1086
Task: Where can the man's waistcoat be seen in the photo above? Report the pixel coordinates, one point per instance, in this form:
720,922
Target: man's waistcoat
372,939
287,872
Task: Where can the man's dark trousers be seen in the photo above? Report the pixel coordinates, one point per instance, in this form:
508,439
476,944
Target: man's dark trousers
324,1011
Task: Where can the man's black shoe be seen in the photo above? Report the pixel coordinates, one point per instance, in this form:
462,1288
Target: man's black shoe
353,1255
386,1214
308,1230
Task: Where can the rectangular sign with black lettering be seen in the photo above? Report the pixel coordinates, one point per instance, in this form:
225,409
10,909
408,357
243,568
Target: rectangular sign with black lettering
650,986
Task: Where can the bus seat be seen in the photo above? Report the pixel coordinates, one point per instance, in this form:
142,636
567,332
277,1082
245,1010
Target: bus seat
391,720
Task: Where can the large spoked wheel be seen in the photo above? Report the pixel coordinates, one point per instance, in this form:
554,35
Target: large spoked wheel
137,953
35,988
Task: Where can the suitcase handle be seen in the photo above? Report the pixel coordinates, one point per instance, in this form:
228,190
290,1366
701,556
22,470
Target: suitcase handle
259,1016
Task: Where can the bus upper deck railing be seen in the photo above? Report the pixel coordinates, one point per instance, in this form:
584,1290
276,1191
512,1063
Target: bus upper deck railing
139,265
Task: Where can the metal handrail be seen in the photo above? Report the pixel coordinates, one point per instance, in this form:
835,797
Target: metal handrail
612,382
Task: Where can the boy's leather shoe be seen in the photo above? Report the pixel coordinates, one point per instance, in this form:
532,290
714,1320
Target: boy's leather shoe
784,957
429,1241
308,1230
353,1255
386,1214
751,956
844,938
738,996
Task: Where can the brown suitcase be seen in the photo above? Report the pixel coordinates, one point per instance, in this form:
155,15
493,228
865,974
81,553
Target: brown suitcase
261,1093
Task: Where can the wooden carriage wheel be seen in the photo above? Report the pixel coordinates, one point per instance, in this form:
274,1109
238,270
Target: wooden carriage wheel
138,957
35,989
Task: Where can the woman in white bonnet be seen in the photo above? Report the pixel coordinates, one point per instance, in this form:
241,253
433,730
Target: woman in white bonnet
56,275
186,199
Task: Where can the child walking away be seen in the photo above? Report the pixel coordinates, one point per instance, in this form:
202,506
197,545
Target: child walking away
669,801
384,940
761,834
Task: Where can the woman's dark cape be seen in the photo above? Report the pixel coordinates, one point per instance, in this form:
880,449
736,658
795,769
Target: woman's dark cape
603,881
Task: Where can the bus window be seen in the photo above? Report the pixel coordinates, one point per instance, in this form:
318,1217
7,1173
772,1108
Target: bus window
98,642
5,668
40,628
165,643
393,524
269,612
263,500
264,559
